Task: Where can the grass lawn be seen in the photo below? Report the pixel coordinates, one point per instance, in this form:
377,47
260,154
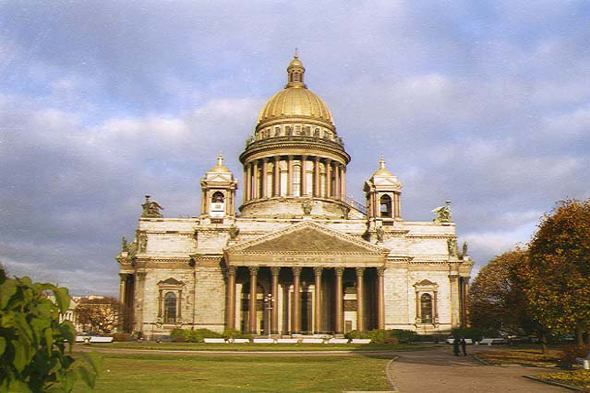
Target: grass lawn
262,347
181,373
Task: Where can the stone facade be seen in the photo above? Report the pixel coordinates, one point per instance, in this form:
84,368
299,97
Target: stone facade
299,257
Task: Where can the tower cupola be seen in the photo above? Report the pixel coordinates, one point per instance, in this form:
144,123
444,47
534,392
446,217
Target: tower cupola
218,192
383,191
295,73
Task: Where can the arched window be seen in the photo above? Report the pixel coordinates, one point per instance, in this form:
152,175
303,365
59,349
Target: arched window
218,197
426,308
296,180
170,308
385,206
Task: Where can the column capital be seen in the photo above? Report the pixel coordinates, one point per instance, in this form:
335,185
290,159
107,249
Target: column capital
316,158
296,270
275,270
253,270
381,271
265,159
339,271
231,270
123,276
318,270
360,271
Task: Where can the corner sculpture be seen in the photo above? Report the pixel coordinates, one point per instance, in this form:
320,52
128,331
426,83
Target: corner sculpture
233,232
306,206
443,213
151,209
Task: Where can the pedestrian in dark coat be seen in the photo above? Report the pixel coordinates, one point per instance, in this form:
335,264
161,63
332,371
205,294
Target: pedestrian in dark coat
464,346
456,347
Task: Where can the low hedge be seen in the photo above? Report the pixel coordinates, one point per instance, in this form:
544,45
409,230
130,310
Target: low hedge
392,336
233,333
193,336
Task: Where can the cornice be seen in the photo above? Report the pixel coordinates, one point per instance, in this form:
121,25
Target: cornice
431,236
282,143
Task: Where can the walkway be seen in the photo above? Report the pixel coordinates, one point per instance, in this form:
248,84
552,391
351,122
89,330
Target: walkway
439,371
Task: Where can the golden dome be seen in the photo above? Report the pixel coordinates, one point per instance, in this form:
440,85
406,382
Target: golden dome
295,100
220,167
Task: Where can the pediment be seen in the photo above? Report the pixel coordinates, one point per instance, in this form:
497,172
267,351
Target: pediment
170,281
307,238
217,178
425,283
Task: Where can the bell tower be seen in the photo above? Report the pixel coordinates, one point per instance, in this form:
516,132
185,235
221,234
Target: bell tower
218,193
383,192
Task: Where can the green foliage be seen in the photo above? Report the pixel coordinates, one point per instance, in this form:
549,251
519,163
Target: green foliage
393,336
476,334
35,347
356,334
404,336
193,336
122,337
233,333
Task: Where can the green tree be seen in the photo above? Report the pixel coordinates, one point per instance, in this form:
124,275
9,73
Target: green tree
556,277
35,348
496,301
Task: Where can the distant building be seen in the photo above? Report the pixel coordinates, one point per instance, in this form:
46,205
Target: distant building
299,257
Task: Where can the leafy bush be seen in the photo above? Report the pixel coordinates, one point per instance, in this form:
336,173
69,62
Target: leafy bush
233,333
403,336
393,336
35,347
121,337
193,336
357,334
377,336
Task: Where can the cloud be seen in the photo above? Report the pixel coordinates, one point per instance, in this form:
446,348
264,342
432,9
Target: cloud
485,104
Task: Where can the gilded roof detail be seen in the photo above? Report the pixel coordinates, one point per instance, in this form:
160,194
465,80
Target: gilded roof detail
295,100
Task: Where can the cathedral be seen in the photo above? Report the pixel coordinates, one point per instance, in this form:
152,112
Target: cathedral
298,256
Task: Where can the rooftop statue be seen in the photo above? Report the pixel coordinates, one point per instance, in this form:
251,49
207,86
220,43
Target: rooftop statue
151,209
380,232
443,213
306,206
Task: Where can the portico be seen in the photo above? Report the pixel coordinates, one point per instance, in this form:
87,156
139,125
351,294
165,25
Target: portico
320,280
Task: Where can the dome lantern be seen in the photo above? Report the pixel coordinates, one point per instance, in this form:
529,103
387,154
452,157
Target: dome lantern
295,72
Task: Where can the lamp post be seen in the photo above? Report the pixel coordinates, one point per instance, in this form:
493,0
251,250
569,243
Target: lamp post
268,305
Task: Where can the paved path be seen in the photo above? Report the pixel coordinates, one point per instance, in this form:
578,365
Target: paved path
439,371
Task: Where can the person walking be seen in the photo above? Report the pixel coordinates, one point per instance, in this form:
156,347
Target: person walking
464,346
456,346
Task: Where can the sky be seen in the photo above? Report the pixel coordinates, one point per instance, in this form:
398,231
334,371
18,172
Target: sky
483,103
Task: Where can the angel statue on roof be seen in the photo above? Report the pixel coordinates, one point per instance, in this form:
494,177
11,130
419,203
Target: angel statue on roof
443,213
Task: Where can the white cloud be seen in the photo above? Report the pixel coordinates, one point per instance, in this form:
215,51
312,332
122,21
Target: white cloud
485,105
